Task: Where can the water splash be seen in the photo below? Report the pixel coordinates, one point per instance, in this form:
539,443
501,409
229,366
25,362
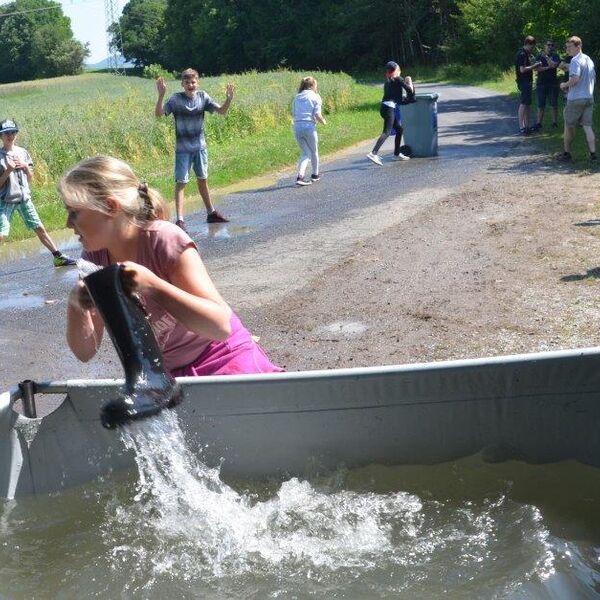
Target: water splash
183,523
85,267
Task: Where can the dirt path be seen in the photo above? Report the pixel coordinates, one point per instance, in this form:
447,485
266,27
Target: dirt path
508,263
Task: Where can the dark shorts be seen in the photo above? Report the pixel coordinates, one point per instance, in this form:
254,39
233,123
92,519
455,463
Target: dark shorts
547,92
526,89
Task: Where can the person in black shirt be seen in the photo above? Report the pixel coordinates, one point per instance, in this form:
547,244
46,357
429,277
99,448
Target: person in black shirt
547,83
564,66
393,96
524,68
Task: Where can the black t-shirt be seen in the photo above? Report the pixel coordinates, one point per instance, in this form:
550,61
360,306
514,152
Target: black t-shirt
393,88
567,60
523,59
547,77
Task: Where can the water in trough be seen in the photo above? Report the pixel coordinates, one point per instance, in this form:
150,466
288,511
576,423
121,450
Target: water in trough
174,529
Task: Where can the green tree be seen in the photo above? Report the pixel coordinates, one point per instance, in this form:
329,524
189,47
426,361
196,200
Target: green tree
236,35
143,31
493,30
586,24
37,43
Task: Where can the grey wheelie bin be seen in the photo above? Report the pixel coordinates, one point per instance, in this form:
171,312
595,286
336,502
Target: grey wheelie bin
421,125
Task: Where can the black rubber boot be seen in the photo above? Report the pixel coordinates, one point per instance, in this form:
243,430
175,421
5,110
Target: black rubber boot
148,387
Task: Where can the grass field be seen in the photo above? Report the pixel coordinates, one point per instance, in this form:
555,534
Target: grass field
65,119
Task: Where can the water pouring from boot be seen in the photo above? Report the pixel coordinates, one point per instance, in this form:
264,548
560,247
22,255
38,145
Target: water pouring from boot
149,388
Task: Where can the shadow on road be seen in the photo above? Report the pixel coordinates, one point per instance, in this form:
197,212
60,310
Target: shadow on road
589,274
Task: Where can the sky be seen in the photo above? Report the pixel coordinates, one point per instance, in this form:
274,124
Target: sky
88,23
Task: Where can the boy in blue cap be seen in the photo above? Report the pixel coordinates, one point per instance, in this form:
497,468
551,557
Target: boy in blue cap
16,172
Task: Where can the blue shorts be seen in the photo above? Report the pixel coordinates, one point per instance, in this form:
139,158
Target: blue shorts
27,211
526,89
184,161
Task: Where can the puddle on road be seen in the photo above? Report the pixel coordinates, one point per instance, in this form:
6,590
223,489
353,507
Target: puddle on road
22,302
344,328
67,242
217,231
64,239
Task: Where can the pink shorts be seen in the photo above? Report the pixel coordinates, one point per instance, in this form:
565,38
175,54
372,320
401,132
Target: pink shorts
238,354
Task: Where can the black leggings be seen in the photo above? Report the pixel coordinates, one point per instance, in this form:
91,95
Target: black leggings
388,114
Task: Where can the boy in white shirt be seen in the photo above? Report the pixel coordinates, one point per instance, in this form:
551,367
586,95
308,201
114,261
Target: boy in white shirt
579,109
16,172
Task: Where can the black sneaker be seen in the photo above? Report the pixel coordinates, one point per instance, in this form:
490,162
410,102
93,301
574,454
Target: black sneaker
536,127
181,224
524,131
564,157
315,177
300,181
593,157
555,125
216,217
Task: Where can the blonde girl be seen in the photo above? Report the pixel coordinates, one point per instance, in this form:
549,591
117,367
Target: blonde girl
119,219
306,112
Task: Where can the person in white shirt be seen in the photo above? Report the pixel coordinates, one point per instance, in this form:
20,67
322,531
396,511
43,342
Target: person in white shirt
306,112
579,109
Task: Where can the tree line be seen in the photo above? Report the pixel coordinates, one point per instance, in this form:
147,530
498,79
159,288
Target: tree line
36,41
220,36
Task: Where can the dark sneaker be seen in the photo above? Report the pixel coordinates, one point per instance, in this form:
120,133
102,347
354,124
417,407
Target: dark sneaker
593,157
555,125
181,224
536,127
564,157
300,181
315,177
62,260
216,217
524,131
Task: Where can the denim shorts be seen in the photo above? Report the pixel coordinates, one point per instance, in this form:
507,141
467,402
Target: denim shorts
184,161
27,211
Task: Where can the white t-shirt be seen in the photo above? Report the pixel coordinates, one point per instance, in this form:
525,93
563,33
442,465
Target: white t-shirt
583,66
16,189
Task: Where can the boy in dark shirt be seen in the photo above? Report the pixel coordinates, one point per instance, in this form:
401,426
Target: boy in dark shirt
396,91
524,69
547,83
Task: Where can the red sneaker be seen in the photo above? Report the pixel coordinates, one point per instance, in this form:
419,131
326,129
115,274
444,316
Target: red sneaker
216,217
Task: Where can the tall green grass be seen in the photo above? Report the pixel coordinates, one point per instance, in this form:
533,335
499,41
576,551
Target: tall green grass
66,119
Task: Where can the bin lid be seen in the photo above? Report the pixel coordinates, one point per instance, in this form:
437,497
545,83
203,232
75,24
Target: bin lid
432,97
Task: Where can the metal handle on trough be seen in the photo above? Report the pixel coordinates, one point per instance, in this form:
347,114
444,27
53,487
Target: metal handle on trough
27,388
